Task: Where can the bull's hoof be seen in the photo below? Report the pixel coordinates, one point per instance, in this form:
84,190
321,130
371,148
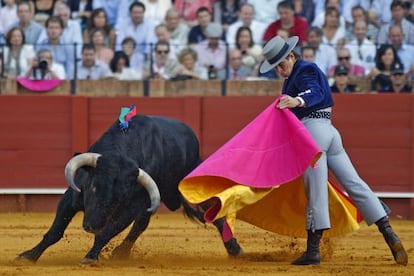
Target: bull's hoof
89,262
25,257
22,258
233,248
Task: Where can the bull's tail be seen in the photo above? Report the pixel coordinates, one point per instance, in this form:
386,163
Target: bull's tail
194,213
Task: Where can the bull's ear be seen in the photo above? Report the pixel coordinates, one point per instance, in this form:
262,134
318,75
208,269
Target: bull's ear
77,153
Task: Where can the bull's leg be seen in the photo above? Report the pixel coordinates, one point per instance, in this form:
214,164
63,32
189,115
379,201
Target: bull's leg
124,249
64,215
111,230
230,243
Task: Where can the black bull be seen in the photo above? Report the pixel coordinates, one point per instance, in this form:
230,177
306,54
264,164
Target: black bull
116,184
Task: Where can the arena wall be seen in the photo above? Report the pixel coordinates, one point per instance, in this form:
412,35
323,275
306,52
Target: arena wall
39,133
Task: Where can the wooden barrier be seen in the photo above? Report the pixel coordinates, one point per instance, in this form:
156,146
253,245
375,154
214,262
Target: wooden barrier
160,88
39,135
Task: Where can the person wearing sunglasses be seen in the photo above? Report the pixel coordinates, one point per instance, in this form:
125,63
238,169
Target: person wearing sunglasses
344,57
160,65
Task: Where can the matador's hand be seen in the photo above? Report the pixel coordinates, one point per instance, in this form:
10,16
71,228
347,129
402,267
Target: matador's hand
288,102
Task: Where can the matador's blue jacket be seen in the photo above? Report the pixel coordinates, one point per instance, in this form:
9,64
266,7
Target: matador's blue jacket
310,83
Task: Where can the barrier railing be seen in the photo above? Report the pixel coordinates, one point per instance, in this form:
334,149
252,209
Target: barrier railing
160,88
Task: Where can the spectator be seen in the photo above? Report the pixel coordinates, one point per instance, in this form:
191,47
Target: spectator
98,19
235,70
188,9
246,19
189,66
398,12
103,52
333,33
198,32
42,67
305,9
179,30
32,29
266,10
72,32
62,52
409,14
354,71
251,52
81,11
396,83
136,60
320,17
212,51
378,9
380,74
226,12
398,80
405,52
341,81
115,10
162,33
120,68
8,15
43,9
359,14
325,55
141,29
363,51
308,53
156,9
17,55
162,67
89,68
296,25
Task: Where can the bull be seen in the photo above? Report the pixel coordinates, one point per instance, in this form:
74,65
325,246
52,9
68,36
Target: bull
122,179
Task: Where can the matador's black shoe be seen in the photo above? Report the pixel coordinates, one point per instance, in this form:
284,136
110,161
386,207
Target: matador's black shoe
393,242
311,255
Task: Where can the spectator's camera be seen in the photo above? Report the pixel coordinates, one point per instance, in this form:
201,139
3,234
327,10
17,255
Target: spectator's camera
43,64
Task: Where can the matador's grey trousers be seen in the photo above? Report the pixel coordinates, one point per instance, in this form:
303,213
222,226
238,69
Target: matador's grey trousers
336,159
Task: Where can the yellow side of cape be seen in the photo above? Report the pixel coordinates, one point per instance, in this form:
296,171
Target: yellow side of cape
279,209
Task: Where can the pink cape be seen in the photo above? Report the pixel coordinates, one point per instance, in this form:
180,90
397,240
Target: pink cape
271,150
39,85
257,177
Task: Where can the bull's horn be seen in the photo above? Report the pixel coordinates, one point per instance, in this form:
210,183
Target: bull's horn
84,159
149,184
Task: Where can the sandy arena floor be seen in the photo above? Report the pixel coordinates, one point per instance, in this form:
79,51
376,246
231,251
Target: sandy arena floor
173,245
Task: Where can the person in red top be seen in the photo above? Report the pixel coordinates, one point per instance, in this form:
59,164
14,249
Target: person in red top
297,26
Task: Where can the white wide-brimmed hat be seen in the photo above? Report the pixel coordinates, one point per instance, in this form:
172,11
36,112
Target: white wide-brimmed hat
276,50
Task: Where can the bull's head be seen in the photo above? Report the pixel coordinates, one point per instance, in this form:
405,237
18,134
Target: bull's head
91,159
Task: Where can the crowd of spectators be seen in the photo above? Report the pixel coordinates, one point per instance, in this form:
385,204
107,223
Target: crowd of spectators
206,39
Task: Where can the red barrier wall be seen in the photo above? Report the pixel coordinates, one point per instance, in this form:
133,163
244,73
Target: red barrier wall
40,133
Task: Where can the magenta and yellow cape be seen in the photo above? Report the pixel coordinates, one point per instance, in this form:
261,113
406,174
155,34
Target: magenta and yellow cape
257,177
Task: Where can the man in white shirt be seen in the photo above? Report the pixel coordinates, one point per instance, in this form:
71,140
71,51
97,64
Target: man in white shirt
8,15
90,68
141,29
43,68
246,18
72,32
405,51
325,55
363,50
